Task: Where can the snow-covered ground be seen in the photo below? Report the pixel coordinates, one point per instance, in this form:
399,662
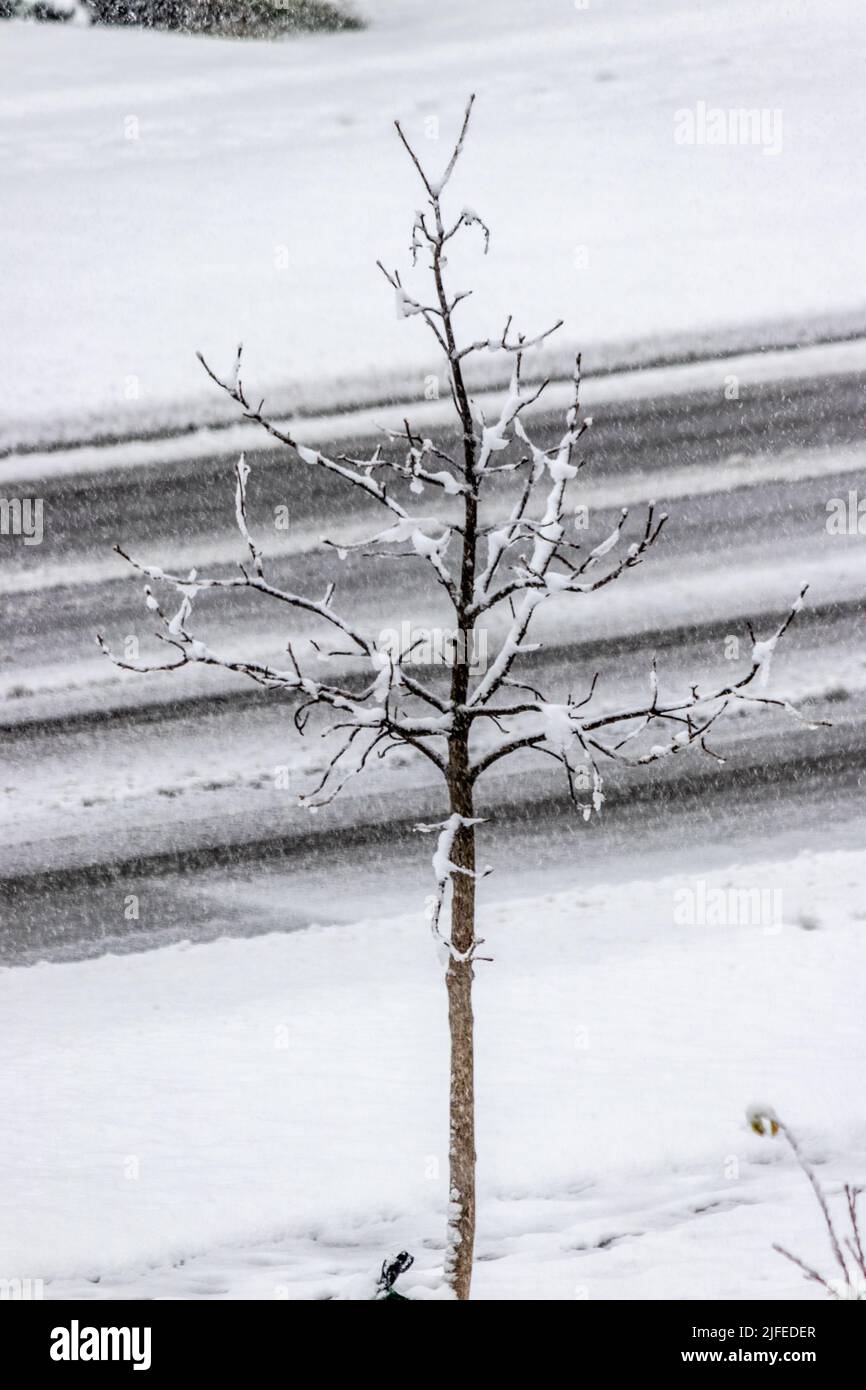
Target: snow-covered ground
267,1118
163,193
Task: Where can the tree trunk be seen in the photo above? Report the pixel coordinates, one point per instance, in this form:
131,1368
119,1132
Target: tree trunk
461,1219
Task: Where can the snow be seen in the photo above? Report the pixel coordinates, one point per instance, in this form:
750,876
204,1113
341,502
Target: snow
762,657
560,728
751,369
605,546
267,1117
272,1111
123,254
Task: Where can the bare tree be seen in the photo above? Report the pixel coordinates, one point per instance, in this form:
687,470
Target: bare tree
509,566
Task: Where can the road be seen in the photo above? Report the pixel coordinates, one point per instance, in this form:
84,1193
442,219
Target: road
140,811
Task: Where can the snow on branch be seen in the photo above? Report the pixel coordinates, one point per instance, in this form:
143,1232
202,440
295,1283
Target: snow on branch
580,741
520,344
243,472
381,714
360,476
444,869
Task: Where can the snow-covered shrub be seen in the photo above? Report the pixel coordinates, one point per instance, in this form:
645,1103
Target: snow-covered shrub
237,18
48,11
253,18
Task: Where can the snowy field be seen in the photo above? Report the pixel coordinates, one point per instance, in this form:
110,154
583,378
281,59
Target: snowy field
266,1119
163,193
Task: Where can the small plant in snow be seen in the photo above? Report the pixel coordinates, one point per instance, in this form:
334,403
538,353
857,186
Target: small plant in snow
847,1248
391,1271
507,561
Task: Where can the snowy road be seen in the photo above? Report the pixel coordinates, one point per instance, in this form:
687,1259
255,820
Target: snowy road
167,789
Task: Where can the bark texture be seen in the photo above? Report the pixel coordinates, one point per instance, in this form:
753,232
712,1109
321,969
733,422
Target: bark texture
461,1154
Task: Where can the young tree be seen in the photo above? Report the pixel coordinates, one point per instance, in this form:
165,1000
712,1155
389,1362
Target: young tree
511,565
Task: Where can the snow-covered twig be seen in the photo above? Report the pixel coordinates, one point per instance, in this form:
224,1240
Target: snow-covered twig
852,1284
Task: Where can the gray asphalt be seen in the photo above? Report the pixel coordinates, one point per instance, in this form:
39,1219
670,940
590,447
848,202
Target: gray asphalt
192,502
236,859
